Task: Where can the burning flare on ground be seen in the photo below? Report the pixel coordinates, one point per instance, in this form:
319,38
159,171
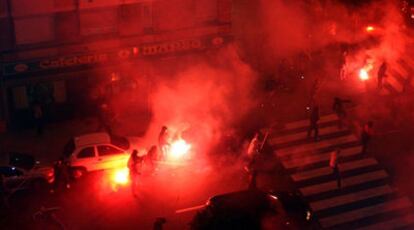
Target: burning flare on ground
369,29
120,176
364,71
363,74
178,149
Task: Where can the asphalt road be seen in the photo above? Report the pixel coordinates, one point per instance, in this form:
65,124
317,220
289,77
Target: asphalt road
94,202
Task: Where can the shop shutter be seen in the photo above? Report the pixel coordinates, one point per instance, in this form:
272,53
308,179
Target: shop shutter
34,29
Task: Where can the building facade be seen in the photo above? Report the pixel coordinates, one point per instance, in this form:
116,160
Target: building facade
57,51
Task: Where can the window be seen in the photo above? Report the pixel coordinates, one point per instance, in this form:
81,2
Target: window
135,19
30,7
206,11
3,9
86,153
104,150
173,14
98,21
34,30
67,26
10,171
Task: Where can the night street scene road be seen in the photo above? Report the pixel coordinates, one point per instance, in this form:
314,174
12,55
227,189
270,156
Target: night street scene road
206,114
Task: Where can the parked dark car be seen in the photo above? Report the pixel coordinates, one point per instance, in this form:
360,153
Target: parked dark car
252,209
21,171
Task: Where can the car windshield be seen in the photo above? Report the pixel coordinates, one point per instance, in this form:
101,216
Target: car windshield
21,160
69,148
120,142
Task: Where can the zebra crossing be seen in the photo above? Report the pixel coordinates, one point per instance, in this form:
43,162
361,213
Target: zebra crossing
400,75
366,200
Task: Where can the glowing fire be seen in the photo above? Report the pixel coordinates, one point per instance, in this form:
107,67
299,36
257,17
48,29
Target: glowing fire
369,29
363,74
179,148
120,176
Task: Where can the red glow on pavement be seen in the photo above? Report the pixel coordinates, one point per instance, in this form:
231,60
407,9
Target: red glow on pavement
179,148
120,176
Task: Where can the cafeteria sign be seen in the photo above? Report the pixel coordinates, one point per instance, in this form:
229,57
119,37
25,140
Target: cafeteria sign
114,56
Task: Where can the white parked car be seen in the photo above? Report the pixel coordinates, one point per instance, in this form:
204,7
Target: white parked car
97,151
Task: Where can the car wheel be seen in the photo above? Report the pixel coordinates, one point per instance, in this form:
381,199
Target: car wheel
39,185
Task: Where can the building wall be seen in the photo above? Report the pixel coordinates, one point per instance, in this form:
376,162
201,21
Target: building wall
32,31
29,24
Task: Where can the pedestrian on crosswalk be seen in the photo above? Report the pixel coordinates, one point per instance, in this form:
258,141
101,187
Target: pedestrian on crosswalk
381,74
314,119
366,134
333,163
339,109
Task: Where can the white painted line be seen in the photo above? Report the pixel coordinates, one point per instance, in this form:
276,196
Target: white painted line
315,145
190,209
361,213
400,71
309,174
303,135
305,122
395,83
312,158
395,223
346,182
349,198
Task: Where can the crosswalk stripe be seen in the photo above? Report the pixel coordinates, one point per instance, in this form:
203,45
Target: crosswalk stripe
315,145
400,71
384,91
302,135
361,213
305,122
395,84
309,174
311,159
395,223
349,198
346,182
